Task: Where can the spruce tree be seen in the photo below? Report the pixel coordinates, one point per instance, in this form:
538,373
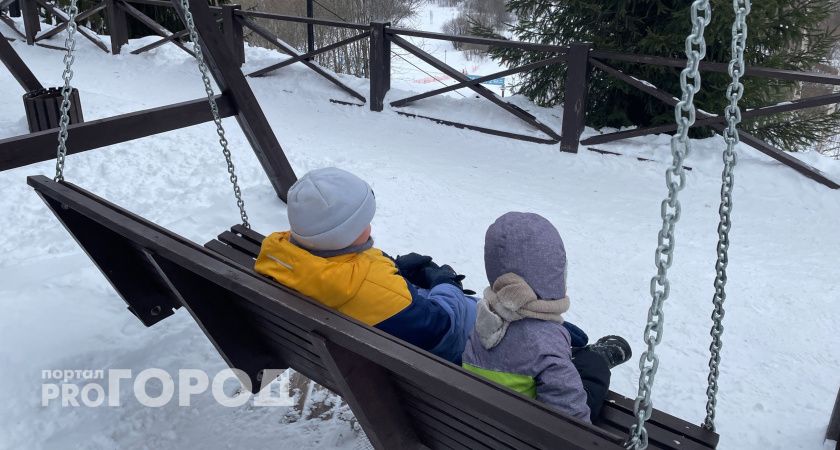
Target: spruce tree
785,34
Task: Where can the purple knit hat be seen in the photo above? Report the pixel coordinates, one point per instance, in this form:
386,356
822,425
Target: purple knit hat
528,245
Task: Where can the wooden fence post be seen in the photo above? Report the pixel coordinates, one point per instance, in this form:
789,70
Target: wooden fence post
14,9
380,64
310,27
31,20
117,25
574,104
833,431
233,32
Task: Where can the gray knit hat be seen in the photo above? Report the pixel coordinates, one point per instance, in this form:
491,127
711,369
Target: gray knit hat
528,245
329,208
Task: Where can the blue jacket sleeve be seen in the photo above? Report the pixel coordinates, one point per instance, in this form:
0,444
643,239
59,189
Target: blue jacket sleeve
579,338
438,321
461,309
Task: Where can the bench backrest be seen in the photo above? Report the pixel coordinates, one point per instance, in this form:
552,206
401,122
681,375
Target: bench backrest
402,396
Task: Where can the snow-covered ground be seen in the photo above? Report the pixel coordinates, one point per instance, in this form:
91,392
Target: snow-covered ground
438,188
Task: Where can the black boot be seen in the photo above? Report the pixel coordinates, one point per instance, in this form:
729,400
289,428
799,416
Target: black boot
614,349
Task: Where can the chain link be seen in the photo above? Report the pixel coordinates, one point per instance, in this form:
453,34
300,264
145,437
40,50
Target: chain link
660,287
214,108
66,90
733,117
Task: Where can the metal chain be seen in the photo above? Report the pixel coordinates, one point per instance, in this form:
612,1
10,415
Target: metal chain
211,99
66,90
733,117
660,287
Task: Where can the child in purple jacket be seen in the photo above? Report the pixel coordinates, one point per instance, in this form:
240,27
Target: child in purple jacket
520,339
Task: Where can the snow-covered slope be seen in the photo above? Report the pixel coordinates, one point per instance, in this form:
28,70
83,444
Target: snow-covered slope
438,188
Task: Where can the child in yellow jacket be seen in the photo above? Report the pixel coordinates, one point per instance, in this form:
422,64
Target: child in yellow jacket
328,255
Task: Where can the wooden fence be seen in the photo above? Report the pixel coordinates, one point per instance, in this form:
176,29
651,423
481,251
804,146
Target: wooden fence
580,59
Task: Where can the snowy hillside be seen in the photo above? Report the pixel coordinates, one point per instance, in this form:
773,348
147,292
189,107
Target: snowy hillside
438,188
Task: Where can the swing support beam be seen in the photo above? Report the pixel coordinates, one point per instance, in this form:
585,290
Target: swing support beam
833,431
237,100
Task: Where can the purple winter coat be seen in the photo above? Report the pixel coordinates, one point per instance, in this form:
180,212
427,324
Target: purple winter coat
539,349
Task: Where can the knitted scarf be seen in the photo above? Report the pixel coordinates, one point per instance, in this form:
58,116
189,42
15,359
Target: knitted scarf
508,300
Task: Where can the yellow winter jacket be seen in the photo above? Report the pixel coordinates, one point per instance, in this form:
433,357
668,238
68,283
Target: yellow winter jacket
365,286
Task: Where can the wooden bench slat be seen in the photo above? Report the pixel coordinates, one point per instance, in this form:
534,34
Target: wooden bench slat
230,253
666,421
661,437
316,374
434,429
248,233
299,343
436,441
296,334
288,346
240,243
445,413
618,424
434,420
411,391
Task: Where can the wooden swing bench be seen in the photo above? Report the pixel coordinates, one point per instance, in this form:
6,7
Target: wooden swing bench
402,396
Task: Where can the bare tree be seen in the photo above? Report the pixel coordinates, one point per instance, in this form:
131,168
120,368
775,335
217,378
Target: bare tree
486,14
352,58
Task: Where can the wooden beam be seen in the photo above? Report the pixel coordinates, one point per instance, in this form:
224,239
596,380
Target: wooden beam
31,19
117,25
6,4
299,19
222,321
232,28
79,19
641,85
62,16
125,266
783,157
309,55
479,80
310,27
478,89
368,389
267,35
379,62
638,158
763,72
18,68
154,26
833,431
485,130
795,105
492,42
232,82
172,37
574,100
748,139
32,148
12,25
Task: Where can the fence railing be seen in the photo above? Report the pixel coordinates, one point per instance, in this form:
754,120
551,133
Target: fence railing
580,60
